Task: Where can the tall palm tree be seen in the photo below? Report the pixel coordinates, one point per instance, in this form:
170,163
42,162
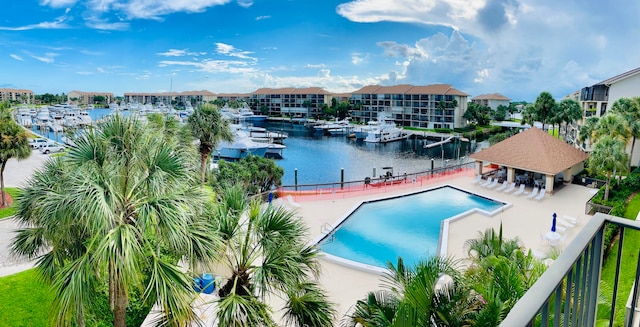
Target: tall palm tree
543,107
608,155
265,249
568,112
586,130
209,127
119,209
13,144
629,110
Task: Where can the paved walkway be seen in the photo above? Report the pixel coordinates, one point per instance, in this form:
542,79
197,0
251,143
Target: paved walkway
16,174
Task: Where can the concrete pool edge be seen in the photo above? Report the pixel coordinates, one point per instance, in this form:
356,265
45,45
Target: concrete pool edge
441,249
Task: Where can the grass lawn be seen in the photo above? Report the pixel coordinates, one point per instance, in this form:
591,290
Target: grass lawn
627,267
8,212
25,301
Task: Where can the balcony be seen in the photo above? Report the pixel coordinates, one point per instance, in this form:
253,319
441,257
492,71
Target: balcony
567,293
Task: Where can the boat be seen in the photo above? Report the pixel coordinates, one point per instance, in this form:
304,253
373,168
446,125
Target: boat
262,133
385,131
240,147
247,115
84,118
274,150
335,126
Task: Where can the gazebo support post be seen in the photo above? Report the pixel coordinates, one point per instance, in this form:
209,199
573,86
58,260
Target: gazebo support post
511,174
549,183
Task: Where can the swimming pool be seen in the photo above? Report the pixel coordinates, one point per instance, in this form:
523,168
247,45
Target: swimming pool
408,226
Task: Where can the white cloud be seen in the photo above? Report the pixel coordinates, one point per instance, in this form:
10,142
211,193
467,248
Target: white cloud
180,53
100,70
356,58
314,66
153,9
58,23
58,3
262,17
245,3
324,73
16,57
47,58
231,51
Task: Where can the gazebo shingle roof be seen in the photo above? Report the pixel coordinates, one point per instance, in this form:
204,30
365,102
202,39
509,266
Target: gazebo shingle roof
533,150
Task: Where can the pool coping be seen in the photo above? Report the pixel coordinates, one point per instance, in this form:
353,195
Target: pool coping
443,237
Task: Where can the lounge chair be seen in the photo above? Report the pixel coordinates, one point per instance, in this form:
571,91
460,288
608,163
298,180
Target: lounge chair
533,193
570,219
478,179
564,223
541,195
503,186
494,184
488,182
292,202
520,190
510,188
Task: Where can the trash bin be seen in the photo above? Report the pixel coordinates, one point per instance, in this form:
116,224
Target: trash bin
197,284
208,283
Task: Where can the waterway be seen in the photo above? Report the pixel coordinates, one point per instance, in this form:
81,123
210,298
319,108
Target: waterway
325,159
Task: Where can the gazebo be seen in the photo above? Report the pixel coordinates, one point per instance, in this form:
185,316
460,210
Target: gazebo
533,151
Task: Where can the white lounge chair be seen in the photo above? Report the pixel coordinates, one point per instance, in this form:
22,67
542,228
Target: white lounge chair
478,179
533,193
541,195
503,186
564,223
570,219
520,190
292,202
488,182
494,184
510,188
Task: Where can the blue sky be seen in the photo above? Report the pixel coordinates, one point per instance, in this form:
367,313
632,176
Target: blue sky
514,47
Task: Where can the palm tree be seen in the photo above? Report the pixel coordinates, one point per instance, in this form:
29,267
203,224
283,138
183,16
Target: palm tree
119,209
543,107
265,249
569,111
417,296
612,125
629,110
209,127
13,144
586,130
608,155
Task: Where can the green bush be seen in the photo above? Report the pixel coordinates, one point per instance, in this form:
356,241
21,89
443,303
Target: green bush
442,130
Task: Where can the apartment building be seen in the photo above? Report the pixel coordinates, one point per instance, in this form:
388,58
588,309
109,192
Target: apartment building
429,106
295,102
492,100
193,97
86,98
597,98
17,95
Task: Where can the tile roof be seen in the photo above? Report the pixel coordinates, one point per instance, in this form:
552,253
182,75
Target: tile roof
445,89
291,90
533,150
492,96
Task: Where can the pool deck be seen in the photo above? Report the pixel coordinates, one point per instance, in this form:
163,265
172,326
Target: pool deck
526,219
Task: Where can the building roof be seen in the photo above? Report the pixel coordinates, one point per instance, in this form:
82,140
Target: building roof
491,96
291,90
445,89
533,150
620,77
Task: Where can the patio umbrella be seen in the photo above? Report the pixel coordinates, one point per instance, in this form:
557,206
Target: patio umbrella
553,223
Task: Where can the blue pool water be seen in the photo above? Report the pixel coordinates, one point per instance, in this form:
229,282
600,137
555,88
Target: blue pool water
408,226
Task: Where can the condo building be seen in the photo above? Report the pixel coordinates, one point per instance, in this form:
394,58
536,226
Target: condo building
294,102
430,106
16,95
86,98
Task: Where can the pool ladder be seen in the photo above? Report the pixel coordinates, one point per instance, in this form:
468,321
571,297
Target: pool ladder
326,229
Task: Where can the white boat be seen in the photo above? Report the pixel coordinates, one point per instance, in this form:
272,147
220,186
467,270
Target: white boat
71,118
247,115
261,133
274,150
84,118
386,131
240,147
335,126
43,116
361,132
